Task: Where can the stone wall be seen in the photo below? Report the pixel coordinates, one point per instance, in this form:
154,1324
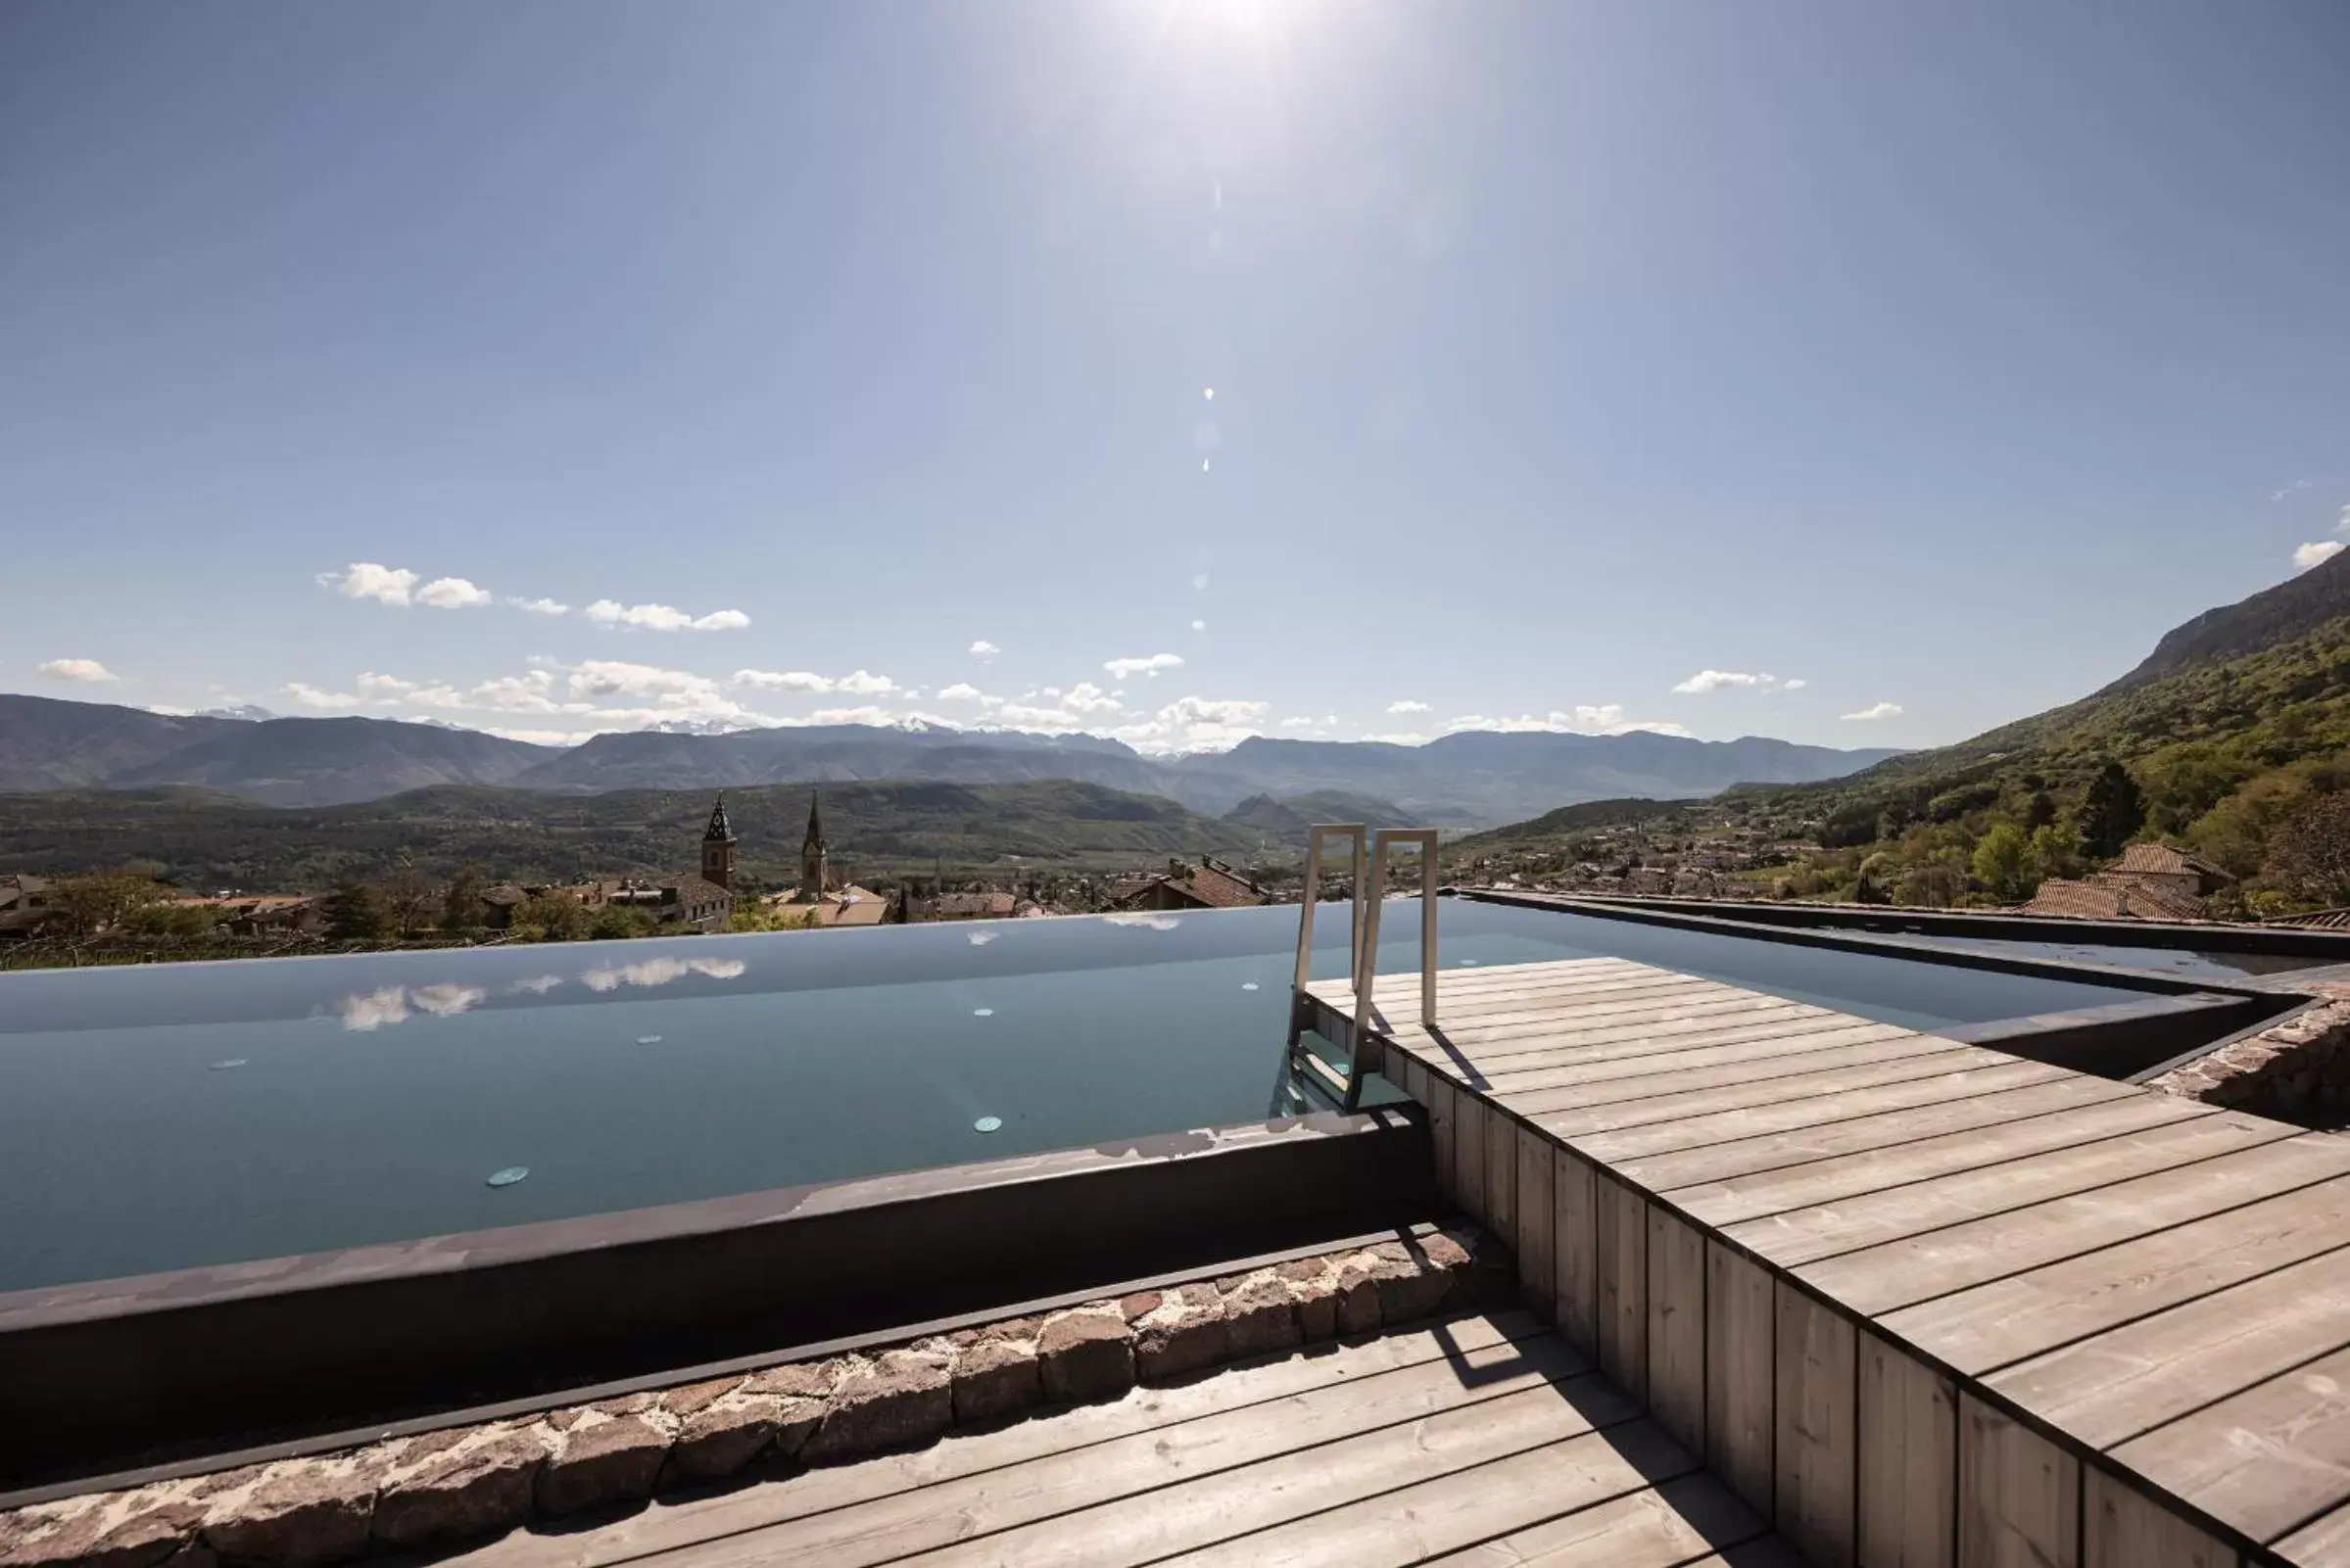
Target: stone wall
2297,1069
467,1483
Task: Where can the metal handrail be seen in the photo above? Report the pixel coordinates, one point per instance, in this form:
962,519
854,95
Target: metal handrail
1360,835
1366,961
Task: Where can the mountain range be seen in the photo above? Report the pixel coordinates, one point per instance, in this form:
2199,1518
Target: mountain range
1466,779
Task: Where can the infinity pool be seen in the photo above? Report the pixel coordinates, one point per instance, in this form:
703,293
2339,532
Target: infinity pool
178,1115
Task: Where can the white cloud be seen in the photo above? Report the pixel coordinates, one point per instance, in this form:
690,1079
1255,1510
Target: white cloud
1406,705
386,585
859,683
533,692
540,606
1795,684
867,714
311,696
2286,491
447,1001
1086,697
985,649
2341,523
663,617
659,971
1199,580
451,594
536,738
1148,664
961,691
1195,724
1705,681
1199,626
617,678
783,679
87,670
2315,553
1604,718
1873,711
1404,737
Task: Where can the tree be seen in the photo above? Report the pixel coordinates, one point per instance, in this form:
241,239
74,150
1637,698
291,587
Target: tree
2112,812
2002,861
354,911
2309,856
2038,810
411,898
2055,853
100,900
552,918
460,905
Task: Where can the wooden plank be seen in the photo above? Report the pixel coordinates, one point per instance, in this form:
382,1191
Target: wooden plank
2109,1389
1500,1174
2011,1319
1863,1046
1444,1129
1471,1118
1438,1519
1516,1012
1400,985
2122,1529
1991,1074
1474,1342
1676,1332
2019,1495
1805,1146
2266,1461
1497,1060
1816,1470
1833,1180
1728,1060
1607,1116
1576,1250
1917,1269
2322,1542
1908,1440
1186,1514
1537,1235
1740,1373
1671,1524
1623,1284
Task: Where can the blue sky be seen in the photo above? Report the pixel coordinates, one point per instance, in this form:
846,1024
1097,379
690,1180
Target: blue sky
1929,362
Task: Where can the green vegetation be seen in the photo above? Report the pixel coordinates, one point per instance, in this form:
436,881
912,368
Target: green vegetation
2235,760
412,844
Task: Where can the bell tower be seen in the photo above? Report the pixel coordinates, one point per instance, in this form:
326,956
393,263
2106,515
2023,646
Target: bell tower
815,860
721,852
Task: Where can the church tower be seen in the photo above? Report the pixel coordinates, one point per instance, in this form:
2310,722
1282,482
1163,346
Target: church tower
721,852
815,865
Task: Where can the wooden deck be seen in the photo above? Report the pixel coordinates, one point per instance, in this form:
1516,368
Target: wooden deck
1919,1303
1482,1440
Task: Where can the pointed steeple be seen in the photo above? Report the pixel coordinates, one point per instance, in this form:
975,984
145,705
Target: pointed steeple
815,839
815,865
720,855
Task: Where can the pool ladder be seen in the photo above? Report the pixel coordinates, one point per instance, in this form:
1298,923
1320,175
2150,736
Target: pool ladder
1371,856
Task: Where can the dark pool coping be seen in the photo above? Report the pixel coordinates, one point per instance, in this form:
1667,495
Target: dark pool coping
1881,946
151,1369
2005,925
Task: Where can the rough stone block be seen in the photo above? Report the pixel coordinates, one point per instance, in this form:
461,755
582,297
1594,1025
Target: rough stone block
1261,1315
802,1380
903,1397
1410,1286
106,1529
1358,1292
724,1436
302,1514
462,1490
996,1378
610,1460
1086,1354
1184,1333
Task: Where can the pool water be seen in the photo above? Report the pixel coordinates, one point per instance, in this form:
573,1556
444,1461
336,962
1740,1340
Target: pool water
178,1115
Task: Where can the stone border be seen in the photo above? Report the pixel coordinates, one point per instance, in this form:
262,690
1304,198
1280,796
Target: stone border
2296,1070
467,1483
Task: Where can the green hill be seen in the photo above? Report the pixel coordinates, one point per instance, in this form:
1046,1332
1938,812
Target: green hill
877,830
2234,728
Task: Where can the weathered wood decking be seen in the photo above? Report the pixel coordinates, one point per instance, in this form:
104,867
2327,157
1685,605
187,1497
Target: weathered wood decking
1918,1301
1482,1440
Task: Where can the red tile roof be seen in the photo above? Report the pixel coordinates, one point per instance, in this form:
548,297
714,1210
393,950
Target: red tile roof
2160,860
